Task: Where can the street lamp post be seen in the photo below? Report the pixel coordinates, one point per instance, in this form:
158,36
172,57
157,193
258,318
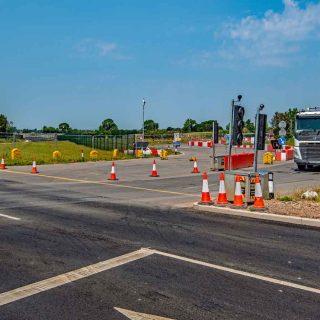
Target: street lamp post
143,105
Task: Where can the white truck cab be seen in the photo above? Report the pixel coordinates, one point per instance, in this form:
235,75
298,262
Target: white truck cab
307,138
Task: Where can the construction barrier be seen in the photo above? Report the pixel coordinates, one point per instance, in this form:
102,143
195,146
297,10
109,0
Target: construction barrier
245,146
205,144
284,155
238,161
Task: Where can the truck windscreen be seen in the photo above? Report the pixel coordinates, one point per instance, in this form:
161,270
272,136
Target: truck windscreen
308,123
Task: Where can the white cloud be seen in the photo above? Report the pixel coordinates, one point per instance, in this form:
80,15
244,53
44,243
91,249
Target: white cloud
275,38
94,47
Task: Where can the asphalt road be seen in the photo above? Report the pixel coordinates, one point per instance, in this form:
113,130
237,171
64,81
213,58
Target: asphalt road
71,217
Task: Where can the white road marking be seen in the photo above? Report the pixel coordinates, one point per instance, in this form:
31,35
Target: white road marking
44,285
239,272
139,316
9,217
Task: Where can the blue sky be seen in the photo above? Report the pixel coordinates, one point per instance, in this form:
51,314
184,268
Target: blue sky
83,61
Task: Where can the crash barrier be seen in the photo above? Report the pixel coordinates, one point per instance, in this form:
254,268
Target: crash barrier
284,155
238,161
245,146
205,144
154,152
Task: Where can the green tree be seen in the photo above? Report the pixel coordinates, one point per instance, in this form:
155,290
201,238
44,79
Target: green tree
288,116
150,125
205,126
64,127
108,126
46,129
3,123
249,126
189,125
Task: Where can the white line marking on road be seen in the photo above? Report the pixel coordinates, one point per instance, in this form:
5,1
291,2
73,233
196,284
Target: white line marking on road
44,285
239,272
9,217
139,316
51,283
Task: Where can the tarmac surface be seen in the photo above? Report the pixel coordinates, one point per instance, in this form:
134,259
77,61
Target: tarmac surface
195,265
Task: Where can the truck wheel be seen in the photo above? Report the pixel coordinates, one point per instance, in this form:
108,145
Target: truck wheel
301,167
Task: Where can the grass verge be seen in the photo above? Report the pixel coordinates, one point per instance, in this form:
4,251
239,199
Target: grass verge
42,152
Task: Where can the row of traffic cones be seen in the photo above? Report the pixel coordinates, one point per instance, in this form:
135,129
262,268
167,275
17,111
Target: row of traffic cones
33,170
238,197
154,172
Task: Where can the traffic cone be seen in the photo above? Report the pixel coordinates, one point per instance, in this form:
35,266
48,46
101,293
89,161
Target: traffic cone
154,172
222,196
237,200
195,166
205,196
258,199
3,164
113,172
34,167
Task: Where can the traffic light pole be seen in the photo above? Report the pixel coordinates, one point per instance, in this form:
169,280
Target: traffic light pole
230,135
255,161
213,149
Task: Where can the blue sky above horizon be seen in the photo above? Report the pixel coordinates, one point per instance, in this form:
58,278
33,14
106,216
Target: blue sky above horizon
83,61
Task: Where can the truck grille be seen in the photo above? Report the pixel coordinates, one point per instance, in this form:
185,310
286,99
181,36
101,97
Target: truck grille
310,151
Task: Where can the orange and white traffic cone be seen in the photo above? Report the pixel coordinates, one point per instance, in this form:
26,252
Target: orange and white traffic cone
113,172
258,199
222,196
237,200
34,167
195,166
205,195
3,164
154,172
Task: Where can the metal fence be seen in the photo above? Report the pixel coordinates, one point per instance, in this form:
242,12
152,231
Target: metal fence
10,136
101,142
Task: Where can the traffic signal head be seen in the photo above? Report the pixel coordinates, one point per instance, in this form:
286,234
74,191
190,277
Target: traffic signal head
238,125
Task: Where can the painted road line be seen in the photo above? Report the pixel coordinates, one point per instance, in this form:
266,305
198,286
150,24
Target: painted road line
51,283
239,272
44,285
100,183
139,316
9,217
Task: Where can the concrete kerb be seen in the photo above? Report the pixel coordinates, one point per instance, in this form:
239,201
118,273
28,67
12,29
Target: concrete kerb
259,215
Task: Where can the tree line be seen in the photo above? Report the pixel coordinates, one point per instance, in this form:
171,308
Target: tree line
109,127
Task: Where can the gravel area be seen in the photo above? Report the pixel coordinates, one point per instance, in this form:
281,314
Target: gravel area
305,209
